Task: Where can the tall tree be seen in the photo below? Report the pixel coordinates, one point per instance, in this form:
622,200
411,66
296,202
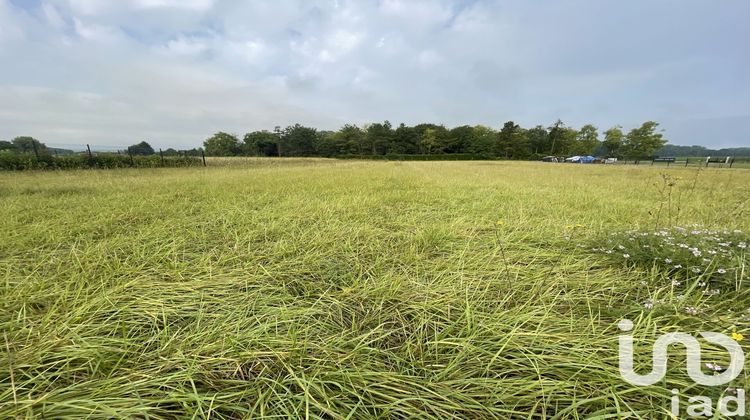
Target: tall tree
379,137
538,140
261,143
512,142
429,140
141,149
483,142
613,141
460,139
557,138
405,140
350,139
222,144
434,142
26,144
644,141
298,140
586,141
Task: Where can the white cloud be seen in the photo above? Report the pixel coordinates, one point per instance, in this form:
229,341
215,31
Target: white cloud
200,5
95,32
187,46
175,71
101,7
428,59
52,16
9,25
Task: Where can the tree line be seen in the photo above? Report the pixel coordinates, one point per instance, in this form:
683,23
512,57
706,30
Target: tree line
30,145
382,139
429,141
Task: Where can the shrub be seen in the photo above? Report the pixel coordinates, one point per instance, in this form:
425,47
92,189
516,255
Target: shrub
23,161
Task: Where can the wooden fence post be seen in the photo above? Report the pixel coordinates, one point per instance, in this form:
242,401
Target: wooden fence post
161,154
91,157
203,155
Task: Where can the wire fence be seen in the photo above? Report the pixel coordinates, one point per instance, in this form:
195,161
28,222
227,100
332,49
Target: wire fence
715,162
703,162
81,156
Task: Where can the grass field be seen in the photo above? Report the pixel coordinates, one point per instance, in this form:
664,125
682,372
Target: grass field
348,289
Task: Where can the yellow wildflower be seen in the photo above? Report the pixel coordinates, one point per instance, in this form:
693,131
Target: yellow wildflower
737,336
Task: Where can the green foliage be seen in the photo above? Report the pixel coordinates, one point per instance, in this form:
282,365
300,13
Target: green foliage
141,149
461,138
348,140
298,140
585,142
512,142
539,141
222,144
405,140
557,138
378,139
25,161
613,142
261,143
644,141
26,144
482,142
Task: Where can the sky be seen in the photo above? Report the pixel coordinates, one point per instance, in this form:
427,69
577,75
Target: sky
173,72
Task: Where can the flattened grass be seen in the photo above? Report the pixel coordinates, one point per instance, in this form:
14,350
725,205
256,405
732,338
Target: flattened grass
330,289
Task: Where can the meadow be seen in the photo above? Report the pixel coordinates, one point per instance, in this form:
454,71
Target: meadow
349,289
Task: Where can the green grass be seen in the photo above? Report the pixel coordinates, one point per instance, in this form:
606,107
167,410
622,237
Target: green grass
343,289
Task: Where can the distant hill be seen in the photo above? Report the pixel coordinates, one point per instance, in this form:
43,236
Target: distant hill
700,151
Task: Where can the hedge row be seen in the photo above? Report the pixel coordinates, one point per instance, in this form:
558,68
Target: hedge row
18,161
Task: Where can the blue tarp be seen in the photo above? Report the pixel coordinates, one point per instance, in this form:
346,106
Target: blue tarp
587,159
581,159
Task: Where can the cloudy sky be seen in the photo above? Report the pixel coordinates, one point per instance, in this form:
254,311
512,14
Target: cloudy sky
172,72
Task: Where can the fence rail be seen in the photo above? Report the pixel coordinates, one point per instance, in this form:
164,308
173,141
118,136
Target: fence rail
55,159
721,162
